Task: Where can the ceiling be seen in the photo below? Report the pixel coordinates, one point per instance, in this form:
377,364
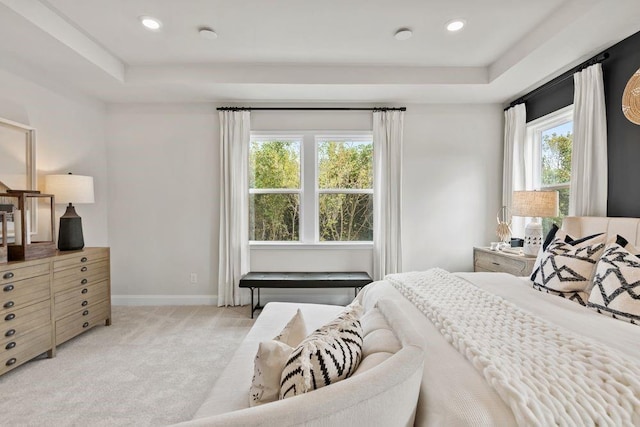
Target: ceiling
303,50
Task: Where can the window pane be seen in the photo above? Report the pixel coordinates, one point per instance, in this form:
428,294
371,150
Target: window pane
346,217
556,154
274,164
345,164
563,210
274,217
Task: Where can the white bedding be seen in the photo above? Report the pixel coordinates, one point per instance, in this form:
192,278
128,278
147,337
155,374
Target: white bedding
453,393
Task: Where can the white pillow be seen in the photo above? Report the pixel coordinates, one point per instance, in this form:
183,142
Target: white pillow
271,358
330,354
616,289
567,267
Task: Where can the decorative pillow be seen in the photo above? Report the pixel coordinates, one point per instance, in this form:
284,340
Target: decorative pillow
567,267
294,332
616,289
330,354
547,241
270,360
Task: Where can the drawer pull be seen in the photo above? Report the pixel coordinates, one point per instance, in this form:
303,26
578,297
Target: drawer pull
83,281
85,290
9,316
84,303
10,333
8,275
8,288
11,361
86,312
84,259
8,304
83,269
85,324
11,345
495,263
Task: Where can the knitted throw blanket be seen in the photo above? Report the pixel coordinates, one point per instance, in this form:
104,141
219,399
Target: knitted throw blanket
546,374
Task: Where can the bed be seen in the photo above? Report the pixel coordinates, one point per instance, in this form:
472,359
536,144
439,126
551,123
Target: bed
455,393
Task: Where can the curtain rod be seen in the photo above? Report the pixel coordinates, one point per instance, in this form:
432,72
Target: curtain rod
311,109
562,78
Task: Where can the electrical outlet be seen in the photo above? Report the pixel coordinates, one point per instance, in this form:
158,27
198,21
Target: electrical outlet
194,278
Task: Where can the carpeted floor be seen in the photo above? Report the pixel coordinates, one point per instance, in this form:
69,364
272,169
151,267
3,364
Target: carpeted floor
153,366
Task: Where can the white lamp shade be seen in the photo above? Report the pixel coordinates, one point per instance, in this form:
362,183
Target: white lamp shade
535,203
70,188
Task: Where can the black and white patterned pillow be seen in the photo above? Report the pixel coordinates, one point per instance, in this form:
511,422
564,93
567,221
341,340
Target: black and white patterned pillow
616,284
330,354
567,267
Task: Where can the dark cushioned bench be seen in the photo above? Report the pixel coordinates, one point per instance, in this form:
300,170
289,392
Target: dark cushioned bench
346,279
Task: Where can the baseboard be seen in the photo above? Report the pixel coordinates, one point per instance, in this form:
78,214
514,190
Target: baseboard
164,299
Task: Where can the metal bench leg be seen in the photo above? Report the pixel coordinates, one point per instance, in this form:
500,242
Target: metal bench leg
251,302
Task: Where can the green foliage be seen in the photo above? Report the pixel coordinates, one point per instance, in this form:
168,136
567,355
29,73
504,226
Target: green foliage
341,165
556,169
556,159
274,164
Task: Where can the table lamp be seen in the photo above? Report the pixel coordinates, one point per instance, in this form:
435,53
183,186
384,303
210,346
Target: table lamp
534,204
70,189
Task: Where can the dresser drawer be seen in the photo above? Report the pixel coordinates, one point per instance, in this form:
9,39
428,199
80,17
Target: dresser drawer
16,323
16,294
10,274
38,345
79,258
26,341
62,281
80,321
78,298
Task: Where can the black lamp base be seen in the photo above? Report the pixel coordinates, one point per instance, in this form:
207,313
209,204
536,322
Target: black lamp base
70,236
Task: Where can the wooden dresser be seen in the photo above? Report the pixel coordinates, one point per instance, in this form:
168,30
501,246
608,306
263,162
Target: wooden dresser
48,301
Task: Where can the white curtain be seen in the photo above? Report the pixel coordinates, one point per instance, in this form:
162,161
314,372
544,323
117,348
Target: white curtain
588,194
387,155
516,170
235,130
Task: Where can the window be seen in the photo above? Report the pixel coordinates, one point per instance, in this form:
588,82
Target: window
311,188
551,139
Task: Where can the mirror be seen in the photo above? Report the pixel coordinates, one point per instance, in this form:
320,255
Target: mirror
17,167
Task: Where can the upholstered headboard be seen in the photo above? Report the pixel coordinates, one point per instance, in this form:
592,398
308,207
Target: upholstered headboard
581,226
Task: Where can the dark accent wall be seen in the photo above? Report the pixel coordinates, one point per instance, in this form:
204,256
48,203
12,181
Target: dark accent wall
623,137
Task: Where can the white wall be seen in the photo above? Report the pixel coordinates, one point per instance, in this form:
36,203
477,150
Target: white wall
70,137
163,196
163,199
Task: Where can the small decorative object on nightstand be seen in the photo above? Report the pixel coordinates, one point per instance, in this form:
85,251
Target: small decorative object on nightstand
485,259
534,204
70,189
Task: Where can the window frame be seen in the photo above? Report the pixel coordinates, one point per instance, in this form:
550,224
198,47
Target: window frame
309,191
534,131
533,146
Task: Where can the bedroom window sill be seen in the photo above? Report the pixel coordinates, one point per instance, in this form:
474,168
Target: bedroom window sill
311,246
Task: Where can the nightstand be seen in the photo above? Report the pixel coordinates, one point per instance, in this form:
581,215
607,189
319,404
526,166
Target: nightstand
497,261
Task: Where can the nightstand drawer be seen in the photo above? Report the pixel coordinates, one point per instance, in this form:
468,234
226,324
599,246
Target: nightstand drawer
494,261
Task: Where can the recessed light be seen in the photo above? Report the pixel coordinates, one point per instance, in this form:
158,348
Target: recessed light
455,25
207,33
403,34
150,23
